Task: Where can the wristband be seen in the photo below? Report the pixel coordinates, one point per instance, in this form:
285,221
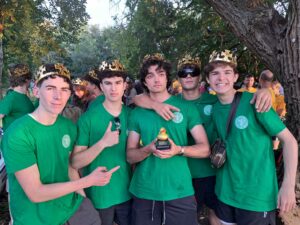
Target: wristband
181,152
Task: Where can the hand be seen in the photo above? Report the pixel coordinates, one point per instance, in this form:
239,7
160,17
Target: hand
164,154
165,110
286,199
101,177
262,99
110,138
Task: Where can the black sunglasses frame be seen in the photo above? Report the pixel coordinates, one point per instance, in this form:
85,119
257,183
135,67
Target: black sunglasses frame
192,71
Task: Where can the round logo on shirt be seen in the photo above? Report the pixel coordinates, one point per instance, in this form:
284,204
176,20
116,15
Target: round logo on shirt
178,117
241,122
66,140
207,110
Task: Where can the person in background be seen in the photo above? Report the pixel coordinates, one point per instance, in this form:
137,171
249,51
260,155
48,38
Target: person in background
249,81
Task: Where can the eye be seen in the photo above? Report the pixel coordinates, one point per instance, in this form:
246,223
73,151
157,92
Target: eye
149,76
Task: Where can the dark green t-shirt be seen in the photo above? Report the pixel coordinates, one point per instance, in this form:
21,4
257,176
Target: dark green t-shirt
13,106
248,178
27,142
96,102
163,179
202,167
91,127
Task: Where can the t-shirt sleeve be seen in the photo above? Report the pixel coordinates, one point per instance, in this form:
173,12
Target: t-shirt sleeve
194,117
270,121
5,105
83,128
133,124
18,150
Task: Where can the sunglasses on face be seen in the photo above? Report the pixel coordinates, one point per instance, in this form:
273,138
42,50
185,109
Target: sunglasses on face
117,123
193,72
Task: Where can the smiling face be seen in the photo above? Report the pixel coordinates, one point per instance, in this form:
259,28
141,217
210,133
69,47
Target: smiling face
222,79
113,88
156,79
53,95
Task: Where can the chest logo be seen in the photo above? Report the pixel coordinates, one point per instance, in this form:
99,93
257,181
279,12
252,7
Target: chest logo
66,140
178,117
207,110
241,122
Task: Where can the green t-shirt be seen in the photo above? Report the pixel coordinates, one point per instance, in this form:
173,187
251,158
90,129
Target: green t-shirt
13,106
248,178
96,102
202,167
27,142
163,179
91,127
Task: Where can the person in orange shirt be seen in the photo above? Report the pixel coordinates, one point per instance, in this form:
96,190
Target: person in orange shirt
248,84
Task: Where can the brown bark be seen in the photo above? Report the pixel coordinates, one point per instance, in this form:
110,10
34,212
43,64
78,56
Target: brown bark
1,66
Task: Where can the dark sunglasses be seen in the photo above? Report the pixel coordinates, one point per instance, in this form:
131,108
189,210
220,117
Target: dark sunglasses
117,123
194,72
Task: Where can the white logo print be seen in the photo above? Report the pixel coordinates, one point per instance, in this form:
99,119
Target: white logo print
241,122
207,110
66,140
178,117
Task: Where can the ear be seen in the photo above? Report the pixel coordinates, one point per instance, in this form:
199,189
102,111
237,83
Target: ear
101,86
236,76
207,80
35,91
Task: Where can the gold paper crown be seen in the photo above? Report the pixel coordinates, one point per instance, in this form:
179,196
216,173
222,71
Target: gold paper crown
187,59
18,70
52,69
115,65
155,56
78,81
223,56
92,74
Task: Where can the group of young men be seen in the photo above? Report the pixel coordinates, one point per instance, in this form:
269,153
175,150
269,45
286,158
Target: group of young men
124,178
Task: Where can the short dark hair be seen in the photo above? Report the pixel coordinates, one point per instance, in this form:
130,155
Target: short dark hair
213,65
18,79
166,66
40,82
111,73
92,80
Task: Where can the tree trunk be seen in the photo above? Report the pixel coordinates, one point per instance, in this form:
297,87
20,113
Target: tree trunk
1,66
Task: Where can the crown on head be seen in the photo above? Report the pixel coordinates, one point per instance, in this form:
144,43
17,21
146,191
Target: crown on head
52,69
79,81
223,56
18,70
155,56
92,74
187,59
115,65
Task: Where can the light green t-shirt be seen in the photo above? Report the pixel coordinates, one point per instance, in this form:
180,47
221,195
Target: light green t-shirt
27,142
163,179
202,167
13,106
91,127
248,178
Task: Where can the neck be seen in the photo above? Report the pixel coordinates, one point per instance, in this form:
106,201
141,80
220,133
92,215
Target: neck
43,117
21,89
160,97
227,98
113,108
191,94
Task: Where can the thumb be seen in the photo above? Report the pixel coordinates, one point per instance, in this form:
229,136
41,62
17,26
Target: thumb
108,127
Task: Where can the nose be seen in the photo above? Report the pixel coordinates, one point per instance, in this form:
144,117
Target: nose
57,94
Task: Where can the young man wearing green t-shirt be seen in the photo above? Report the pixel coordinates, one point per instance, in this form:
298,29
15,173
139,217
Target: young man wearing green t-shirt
16,103
162,183
246,185
102,141
36,149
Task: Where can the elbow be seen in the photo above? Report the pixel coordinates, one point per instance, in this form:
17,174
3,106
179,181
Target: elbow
35,197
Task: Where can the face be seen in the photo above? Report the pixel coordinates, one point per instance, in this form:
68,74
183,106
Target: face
222,79
90,87
189,82
156,79
249,81
79,91
53,94
113,88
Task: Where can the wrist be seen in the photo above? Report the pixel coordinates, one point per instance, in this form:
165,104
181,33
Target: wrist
181,150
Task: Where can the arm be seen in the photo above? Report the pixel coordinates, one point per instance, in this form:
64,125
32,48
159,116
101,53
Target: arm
29,179
164,110
1,116
134,153
199,150
262,99
74,175
286,195
82,155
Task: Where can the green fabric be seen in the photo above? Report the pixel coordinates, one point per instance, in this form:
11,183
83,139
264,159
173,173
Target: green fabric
163,179
13,106
96,102
248,178
92,126
202,167
26,143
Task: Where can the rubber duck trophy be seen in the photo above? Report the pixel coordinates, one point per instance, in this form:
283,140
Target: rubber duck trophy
162,142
